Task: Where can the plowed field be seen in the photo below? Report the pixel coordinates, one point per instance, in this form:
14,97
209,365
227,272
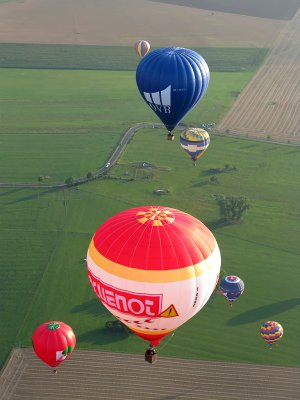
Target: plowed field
269,107
96,375
120,22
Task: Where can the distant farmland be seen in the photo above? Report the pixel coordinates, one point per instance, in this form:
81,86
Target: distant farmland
116,58
278,9
121,23
270,105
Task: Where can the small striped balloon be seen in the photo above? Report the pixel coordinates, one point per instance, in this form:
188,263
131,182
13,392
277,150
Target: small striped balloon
271,332
142,47
194,141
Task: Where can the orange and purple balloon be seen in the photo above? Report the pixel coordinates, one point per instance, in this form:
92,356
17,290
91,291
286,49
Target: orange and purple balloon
142,47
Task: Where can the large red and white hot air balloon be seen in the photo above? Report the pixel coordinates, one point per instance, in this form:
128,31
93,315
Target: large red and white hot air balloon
153,268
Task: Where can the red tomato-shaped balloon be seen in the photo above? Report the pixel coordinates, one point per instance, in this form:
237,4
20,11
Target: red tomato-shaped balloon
53,342
153,268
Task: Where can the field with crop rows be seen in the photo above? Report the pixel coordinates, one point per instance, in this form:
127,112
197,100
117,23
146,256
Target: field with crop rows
270,105
255,8
25,377
122,23
116,58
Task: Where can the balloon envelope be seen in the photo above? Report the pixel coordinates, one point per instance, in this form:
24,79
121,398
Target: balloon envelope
232,287
194,141
153,268
271,331
53,342
172,80
142,47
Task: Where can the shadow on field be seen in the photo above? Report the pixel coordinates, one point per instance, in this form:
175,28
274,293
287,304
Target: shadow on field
8,192
35,195
267,312
293,151
101,336
93,307
249,146
218,224
200,184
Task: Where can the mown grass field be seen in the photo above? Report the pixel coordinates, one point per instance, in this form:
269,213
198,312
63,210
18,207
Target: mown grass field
116,58
62,123
263,250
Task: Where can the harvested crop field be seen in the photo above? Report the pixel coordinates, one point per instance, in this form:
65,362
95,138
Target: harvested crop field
269,107
255,8
98,375
121,22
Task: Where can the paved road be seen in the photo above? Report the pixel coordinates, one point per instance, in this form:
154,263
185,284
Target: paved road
100,172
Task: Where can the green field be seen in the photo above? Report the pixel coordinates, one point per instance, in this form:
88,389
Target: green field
60,123
263,250
116,58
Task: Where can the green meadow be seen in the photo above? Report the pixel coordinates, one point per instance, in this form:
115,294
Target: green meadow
60,123
46,234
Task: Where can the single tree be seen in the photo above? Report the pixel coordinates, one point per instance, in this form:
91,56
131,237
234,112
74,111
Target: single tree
70,181
233,208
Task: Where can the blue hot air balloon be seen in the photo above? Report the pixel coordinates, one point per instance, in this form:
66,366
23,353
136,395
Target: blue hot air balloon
232,287
172,80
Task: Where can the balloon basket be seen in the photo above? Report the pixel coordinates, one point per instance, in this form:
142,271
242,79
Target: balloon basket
151,358
170,136
151,355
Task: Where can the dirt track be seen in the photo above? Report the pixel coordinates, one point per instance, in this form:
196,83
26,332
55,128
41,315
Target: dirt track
270,104
94,375
120,22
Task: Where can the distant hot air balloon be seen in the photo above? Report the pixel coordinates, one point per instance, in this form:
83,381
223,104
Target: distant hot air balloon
153,268
194,142
271,332
53,342
172,80
142,47
232,287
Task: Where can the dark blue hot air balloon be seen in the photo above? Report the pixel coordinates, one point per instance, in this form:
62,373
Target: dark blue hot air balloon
172,80
232,287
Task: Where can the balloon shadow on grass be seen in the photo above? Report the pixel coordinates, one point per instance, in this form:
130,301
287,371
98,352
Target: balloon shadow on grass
102,336
34,196
93,307
200,184
267,312
212,225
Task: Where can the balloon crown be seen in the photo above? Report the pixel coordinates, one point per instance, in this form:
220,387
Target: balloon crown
155,217
52,326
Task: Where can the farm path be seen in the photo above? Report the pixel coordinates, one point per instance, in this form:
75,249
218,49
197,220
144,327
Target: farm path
97,174
269,107
93,375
